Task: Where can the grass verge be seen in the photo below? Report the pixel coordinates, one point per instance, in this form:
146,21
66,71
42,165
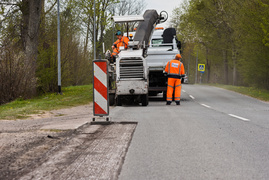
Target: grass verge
71,96
257,93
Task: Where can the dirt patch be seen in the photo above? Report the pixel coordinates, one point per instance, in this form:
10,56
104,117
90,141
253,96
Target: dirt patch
22,151
24,145
30,151
42,114
78,110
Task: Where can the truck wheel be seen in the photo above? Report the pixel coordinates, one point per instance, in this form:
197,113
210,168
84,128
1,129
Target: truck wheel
111,99
119,101
145,100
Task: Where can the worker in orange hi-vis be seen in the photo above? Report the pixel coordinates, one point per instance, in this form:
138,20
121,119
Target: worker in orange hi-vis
175,71
131,37
122,41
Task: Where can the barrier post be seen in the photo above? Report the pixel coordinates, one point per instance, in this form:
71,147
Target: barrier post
100,88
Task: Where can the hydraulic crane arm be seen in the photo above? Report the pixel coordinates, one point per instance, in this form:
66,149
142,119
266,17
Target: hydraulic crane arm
145,28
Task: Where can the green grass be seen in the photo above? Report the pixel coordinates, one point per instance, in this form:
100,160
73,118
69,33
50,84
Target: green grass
257,93
71,96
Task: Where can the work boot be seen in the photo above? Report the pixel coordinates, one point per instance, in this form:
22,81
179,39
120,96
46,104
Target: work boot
168,102
178,102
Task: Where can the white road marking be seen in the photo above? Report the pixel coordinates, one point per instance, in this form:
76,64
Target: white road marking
238,117
232,115
191,97
205,105
183,90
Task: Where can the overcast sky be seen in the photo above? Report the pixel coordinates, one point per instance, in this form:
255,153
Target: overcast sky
163,5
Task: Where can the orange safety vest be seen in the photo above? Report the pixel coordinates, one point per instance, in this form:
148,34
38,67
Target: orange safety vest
174,69
120,43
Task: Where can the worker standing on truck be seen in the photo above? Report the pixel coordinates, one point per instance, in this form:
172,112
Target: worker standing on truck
131,37
175,71
122,41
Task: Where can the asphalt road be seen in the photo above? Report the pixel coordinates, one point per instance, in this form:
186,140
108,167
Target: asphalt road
213,134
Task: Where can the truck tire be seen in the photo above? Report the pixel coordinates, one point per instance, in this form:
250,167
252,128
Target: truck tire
119,100
111,99
145,100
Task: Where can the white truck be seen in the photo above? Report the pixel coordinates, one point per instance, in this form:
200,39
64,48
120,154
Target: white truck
162,48
138,70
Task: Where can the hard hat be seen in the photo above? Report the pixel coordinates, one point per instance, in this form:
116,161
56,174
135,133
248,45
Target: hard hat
118,33
131,35
178,56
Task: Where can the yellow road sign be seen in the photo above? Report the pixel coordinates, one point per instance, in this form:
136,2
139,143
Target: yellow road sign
201,67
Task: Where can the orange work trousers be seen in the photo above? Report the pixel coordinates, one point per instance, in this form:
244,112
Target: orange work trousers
173,83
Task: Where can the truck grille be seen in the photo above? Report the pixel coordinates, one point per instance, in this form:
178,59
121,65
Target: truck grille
131,68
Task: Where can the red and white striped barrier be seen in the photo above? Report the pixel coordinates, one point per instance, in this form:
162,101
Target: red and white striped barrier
100,86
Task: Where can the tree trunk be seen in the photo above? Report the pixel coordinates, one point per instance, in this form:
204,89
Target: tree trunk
87,37
31,14
207,66
225,63
234,67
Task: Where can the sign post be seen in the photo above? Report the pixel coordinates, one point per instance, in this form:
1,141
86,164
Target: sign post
201,68
100,88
